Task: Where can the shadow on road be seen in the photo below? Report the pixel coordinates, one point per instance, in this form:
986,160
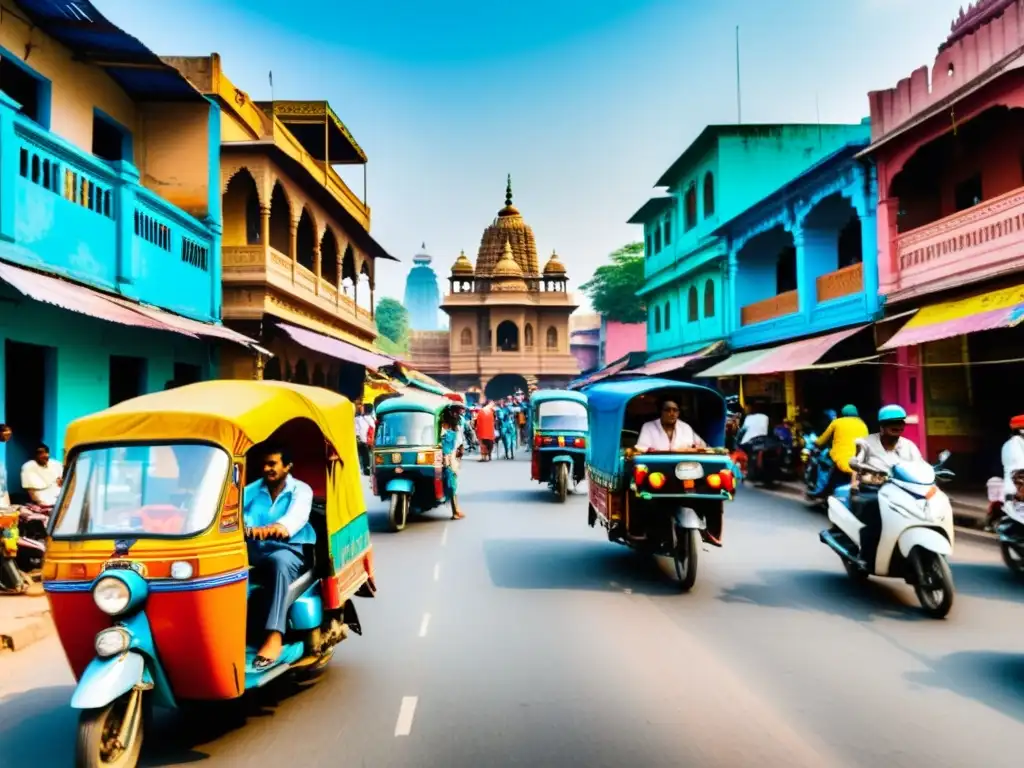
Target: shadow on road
990,581
37,727
827,592
537,494
596,566
992,678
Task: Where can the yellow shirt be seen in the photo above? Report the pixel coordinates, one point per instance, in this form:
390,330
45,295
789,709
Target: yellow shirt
844,433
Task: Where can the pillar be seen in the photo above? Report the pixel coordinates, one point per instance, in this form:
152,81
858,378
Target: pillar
886,231
258,365
9,163
293,245
265,226
870,258
317,266
806,289
124,219
731,309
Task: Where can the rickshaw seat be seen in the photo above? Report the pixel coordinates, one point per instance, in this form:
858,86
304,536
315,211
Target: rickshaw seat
629,438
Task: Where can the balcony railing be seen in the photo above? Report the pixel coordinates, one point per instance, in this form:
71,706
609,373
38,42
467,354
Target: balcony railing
91,221
257,263
777,306
966,241
842,282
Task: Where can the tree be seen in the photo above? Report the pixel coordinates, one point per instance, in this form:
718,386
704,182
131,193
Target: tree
613,288
393,321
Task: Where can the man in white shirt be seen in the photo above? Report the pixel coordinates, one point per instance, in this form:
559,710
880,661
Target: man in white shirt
42,477
755,425
364,421
888,446
668,434
5,499
1013,455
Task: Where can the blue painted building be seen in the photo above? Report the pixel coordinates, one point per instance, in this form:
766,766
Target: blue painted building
722,173
109,223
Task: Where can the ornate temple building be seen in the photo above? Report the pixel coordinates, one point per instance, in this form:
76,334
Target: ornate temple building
508,318
422,297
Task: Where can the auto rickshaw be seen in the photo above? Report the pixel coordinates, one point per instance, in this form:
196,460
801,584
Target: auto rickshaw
663,503
146,569
407,469
558,422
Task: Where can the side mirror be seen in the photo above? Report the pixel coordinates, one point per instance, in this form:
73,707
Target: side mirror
944,457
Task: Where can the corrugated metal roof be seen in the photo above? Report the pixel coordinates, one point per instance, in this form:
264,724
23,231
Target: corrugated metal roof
79,26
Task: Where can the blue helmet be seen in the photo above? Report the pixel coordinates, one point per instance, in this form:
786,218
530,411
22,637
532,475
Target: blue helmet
892,413
850,410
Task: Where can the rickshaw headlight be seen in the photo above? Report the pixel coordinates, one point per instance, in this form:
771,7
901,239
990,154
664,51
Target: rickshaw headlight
425,457
111,596
111,642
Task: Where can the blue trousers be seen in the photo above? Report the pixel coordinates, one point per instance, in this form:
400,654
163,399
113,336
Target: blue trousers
275,566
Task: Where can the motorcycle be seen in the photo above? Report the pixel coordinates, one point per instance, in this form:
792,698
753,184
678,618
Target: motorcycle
765,456
817,462
916,537
1010,530
12,580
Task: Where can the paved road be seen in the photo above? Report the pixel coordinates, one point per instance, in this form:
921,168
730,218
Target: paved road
519,636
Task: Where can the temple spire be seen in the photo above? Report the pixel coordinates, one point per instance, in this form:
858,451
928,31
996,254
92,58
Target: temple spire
508,191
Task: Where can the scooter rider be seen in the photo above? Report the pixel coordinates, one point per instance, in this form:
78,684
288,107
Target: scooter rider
887,447
1013,455
843,433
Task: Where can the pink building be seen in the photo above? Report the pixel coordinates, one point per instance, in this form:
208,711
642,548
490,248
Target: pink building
949,147
618,339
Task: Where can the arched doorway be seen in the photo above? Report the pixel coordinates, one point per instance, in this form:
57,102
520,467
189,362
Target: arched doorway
505,384
508,337
241,207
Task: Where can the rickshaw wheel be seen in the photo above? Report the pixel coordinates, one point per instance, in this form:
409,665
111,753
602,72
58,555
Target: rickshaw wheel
398,512
97,744
562,482
685,546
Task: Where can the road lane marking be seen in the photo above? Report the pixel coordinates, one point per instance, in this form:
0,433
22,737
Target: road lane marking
437,571
406,712
424,624
444,536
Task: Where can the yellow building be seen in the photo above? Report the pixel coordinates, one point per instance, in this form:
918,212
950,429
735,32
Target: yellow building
299,263
509,320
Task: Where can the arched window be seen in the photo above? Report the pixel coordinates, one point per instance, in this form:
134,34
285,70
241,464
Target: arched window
692,311
319,377
709,194
668,315
272,371
690,206
657,319
709,299
301,373
552,338
528,335
508,336
466,338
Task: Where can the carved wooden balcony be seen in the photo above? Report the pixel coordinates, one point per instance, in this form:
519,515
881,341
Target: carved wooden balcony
777,306
842,282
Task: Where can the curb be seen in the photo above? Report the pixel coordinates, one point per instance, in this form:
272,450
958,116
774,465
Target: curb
26,632
966,531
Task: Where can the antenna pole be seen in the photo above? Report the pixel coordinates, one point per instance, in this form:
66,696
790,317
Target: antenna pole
739,97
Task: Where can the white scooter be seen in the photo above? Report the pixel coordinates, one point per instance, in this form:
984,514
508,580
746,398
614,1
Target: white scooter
917,527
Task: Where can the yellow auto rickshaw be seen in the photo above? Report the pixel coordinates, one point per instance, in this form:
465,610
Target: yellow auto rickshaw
147,570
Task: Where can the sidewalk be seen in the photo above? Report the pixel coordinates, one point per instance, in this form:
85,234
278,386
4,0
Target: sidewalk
969,510
24,619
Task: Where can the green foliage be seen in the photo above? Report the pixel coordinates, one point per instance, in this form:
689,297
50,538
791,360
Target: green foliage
393,321
613,288
388,347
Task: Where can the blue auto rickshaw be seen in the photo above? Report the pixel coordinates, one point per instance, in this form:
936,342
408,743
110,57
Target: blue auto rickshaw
559,424
407,467
660,502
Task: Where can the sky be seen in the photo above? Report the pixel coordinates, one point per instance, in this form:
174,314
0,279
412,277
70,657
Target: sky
584,102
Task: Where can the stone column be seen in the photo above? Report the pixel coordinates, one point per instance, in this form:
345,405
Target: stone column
260,363
265,226
316,264
293,245
733,320
805,287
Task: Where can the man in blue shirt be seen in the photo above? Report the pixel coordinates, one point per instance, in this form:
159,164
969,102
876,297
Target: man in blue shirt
276,512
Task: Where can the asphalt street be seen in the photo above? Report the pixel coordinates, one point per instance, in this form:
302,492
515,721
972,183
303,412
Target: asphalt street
521,637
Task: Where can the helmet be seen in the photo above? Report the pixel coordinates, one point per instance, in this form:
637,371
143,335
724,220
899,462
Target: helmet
1017,422
830,414
850,410
892,413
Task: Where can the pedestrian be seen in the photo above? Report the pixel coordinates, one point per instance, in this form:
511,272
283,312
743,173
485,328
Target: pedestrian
5,498
364,424
485,431
451,455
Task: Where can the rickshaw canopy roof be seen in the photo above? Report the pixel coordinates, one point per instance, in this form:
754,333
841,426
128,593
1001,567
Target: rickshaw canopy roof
420,402
608,401
232,414
549,395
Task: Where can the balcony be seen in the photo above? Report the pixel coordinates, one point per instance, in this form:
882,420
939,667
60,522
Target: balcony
262,265
90,220
967,246
842,282
777,306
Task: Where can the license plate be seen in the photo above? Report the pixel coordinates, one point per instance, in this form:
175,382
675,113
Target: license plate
125,565
689,470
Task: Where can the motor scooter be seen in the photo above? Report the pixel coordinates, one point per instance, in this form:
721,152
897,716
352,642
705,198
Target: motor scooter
12,580
916,537
1010,529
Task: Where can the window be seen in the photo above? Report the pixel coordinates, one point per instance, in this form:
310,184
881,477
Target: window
785,271
30,90
466,338
668,232
657,240
110,140
552,338
562,414
709,195
668,316
649,241
127,378
709,299
657,319
851,250
692,314
690,206
401,428
528,335
968,193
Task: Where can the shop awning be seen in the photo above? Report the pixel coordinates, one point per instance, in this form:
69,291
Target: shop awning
987,312
113,309
609,370
660,367
794,356
336,348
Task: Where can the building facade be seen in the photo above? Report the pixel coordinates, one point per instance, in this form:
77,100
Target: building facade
422,296
947,143
508,319
721,174
299,263
109,225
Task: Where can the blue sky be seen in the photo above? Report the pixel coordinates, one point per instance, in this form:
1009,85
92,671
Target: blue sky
584,103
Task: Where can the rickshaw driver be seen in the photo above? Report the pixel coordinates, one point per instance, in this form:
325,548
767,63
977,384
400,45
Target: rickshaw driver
276,512
668,433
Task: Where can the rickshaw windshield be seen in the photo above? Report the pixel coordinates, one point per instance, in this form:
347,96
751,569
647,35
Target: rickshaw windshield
142,490
562,414
405,428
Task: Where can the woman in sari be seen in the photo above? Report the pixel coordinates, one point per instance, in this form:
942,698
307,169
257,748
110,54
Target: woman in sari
451,453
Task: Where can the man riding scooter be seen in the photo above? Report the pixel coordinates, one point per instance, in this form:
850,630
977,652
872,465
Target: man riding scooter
842,435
